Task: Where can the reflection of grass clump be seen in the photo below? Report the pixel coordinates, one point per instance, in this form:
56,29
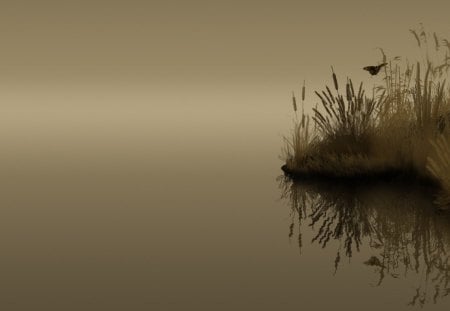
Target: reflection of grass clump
393,223
402,128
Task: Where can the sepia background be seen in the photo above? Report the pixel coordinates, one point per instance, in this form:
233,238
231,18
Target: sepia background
140,145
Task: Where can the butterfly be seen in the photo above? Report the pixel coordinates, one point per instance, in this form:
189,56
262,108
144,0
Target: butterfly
373,70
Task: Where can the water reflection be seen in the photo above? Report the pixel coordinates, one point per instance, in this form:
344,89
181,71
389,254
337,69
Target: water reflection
397,224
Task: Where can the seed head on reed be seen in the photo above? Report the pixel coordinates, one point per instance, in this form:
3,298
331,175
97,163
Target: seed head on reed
415,36
347,89
384,55
294,102
423,35
303,91
436,41
446,43
336,86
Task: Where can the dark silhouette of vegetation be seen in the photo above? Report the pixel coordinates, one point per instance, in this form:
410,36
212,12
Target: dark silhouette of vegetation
401,129
395,221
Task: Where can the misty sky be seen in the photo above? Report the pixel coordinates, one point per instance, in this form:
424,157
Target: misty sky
202,41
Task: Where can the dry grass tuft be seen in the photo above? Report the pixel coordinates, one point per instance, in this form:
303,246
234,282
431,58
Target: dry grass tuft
402,128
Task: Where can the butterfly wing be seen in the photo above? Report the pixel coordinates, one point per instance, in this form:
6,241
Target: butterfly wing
371,69
378,68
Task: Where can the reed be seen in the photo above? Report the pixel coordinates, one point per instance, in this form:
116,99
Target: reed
301,138
402,128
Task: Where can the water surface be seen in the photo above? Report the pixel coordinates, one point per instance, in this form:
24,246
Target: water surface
394,224
137,199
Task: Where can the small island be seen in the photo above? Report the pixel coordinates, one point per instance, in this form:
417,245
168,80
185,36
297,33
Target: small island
400,131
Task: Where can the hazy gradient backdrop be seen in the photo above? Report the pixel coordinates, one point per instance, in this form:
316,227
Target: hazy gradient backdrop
140,142
185,62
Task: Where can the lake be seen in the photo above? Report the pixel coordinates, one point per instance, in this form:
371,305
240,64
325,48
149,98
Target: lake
138,199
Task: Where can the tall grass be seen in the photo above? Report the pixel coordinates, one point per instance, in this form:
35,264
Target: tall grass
401,128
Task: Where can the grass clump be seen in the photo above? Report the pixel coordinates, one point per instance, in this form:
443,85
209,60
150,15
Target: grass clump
401,129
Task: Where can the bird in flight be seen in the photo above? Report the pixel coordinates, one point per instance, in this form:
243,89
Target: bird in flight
373,70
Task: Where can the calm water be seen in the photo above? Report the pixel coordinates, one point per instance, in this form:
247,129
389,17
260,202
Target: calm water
136,201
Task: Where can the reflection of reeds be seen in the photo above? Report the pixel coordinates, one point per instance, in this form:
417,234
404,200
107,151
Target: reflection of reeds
393,131
396,222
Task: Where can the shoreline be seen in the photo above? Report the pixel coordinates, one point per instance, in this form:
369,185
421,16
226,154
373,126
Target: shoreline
386,176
